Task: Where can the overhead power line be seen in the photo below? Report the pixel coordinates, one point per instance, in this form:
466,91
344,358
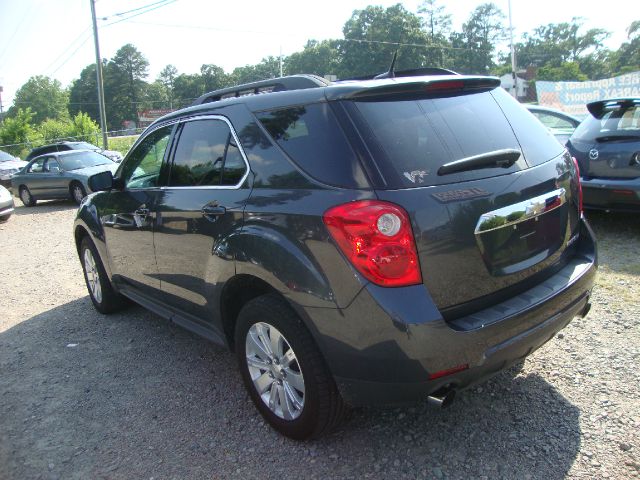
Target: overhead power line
120,14
164,3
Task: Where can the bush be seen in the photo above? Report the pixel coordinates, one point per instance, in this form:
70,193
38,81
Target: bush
18,129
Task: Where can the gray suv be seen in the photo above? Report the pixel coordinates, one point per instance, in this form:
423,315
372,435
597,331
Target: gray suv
362,242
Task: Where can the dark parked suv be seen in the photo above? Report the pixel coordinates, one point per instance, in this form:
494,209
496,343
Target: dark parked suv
366,242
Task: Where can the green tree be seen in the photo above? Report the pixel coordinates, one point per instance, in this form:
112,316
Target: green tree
213,77
318,58
372,35
167,79
568,71
627,58
18,129
53,130
83,94
187,87
82,127
436,22
268,67
563,49
45,97
125,84
474,46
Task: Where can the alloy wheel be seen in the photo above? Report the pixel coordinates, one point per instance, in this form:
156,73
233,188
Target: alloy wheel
275,371
93,276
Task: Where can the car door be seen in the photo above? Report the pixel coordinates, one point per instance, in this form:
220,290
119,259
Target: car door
54,181
199,209
34,178
128,214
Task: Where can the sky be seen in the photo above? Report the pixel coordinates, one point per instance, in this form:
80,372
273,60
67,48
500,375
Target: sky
54,37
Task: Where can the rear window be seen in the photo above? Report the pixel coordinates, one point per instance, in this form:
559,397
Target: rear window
411,139
311,136
615,122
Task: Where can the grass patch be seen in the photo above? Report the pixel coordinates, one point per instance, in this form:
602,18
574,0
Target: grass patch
122,144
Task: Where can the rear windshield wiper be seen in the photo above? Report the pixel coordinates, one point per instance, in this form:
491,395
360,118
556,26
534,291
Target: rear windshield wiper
613,138
498,158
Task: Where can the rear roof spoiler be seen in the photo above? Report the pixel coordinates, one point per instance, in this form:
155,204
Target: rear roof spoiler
427,86
597,109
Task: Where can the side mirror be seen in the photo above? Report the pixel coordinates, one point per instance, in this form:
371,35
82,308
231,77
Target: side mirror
101,181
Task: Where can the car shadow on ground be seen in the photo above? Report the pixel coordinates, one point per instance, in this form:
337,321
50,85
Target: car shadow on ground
44,206
129,396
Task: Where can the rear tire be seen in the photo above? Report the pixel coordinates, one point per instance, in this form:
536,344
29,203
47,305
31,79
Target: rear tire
105,299
277,355
26,197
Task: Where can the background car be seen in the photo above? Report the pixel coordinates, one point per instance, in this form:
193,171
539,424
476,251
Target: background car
607,147
6,204
559,123
8,166
66,146
59,175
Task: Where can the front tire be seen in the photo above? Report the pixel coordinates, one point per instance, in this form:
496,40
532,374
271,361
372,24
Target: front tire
77,192
26,197
284,372
104,298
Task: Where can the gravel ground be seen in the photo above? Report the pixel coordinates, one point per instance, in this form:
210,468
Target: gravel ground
132,396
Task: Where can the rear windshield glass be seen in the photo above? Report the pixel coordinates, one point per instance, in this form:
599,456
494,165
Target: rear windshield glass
618,122
311,137
76,161
411,139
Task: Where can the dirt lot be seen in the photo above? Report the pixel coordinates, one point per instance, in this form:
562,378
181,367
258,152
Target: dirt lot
132,396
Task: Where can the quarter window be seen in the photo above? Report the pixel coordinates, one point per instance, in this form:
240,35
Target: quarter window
142,167
206,155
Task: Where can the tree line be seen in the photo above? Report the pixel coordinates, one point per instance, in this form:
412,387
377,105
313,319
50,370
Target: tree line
562,51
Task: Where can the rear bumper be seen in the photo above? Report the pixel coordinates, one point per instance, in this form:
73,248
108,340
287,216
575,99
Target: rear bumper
610,194
384,347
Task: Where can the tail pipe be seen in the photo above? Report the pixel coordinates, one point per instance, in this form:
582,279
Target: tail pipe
442,398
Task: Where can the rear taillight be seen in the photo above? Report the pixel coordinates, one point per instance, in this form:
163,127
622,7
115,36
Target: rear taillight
377,239
575,164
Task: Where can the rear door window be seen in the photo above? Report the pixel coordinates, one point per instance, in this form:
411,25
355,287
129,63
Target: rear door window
207,154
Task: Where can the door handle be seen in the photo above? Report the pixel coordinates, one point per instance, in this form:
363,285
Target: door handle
213,211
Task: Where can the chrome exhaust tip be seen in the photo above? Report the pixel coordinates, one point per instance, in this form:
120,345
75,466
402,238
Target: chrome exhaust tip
442,398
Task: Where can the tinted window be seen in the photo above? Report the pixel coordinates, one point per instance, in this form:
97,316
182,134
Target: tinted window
412,139
619,121
206,155
141,169
76,161
312,138
537,142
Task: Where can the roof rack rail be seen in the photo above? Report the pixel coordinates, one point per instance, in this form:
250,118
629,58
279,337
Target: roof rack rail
281,84
413,72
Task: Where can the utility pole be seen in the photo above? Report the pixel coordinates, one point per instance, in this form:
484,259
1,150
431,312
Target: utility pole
1,111
513,57
280,59
103,115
